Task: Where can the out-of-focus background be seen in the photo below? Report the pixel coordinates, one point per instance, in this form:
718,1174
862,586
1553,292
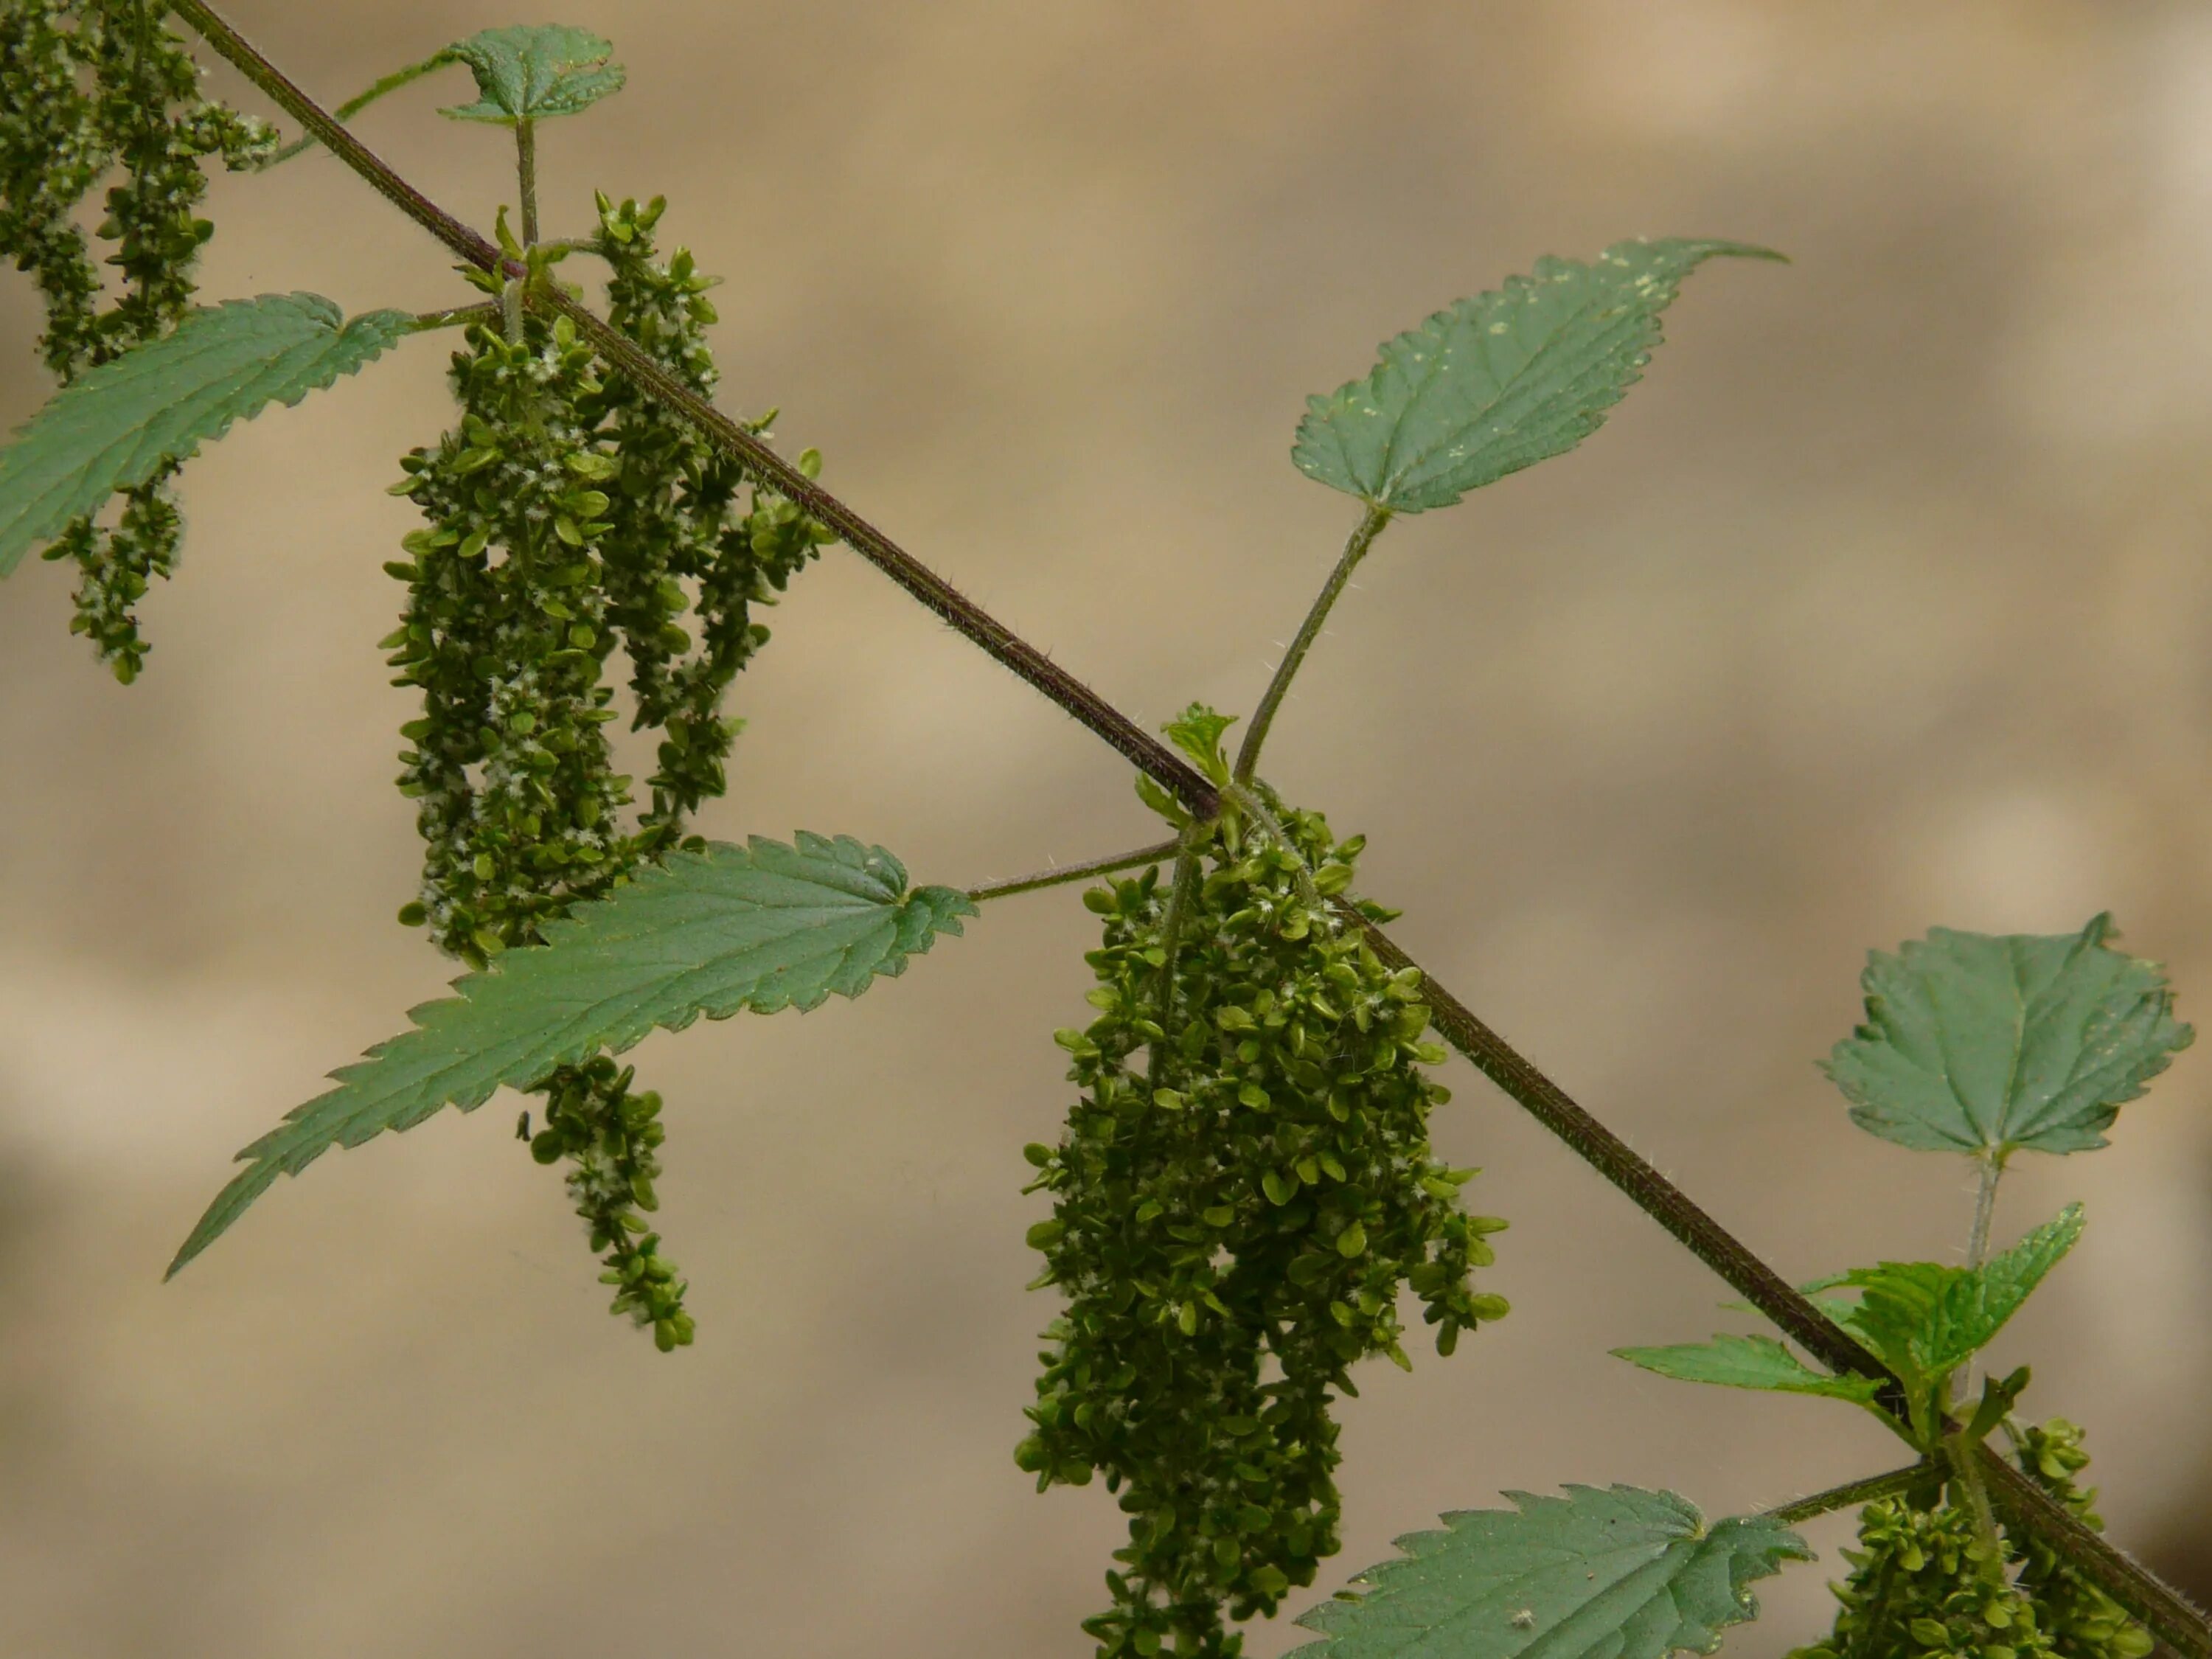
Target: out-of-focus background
1885,602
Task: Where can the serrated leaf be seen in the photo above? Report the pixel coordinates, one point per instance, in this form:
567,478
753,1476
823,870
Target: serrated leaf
1603,1573
533,72
764,927
114,427
1748,1362
1499,382
1985,1044
1924,1320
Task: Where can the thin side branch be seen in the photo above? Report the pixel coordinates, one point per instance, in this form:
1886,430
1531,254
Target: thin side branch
1256,735
1071,872
1852,1494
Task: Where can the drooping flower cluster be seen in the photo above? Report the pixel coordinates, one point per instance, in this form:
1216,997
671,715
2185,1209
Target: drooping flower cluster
2084,1622
1926,1584
566,513
1244,1185
89,87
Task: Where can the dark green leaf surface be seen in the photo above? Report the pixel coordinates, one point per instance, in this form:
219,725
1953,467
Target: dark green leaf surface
1986,1043
1499,382
1603,1573
763,927
532,72
114,426
1925,1320
1748,1362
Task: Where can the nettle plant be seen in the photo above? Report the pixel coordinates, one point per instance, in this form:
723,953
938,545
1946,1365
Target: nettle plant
1244,1203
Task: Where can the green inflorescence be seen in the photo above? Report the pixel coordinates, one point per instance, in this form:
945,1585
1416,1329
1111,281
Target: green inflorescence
1245,1186
565,514
609,1135
1926,1583
2084,1622
673,520
89,87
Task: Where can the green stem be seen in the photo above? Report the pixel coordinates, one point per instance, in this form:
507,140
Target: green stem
1256,735
1066,873
1851,1494
1959,1452
360,101
1985,1204
526,171
454,317
1182,893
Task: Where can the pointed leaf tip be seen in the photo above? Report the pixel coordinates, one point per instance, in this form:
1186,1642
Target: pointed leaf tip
114,427
764,927
1502,381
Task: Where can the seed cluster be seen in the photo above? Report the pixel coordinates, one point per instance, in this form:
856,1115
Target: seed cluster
86,87
1244,1185
1925,1584
565,516
2084,1622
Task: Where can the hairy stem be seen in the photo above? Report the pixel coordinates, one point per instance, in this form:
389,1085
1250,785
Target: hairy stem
1182,892
966,617
525,174
454,317
2168,1614
1619,1163
1069,872
1851,1494
358,102
1256,735
1985,1206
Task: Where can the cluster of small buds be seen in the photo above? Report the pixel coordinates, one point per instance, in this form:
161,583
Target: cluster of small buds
88,86
1244,1185
568,512
506,634
675,541
1926,1583
2084,1622
610,1136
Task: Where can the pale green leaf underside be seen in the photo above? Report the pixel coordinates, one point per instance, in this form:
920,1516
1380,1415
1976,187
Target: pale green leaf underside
1499,382
532,72
1602,1573
1925,1320
1748,1362
1986,1044
764,927
114,426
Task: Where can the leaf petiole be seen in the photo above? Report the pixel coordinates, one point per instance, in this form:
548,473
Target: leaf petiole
1363,538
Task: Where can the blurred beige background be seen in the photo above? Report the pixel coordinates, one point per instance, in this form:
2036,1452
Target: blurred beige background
1885,601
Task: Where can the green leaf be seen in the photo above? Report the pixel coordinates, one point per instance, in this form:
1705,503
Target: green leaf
533,72
1925,1320
763,927
1748,1362
1500,381
1985,1044
1603,1573
114,426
